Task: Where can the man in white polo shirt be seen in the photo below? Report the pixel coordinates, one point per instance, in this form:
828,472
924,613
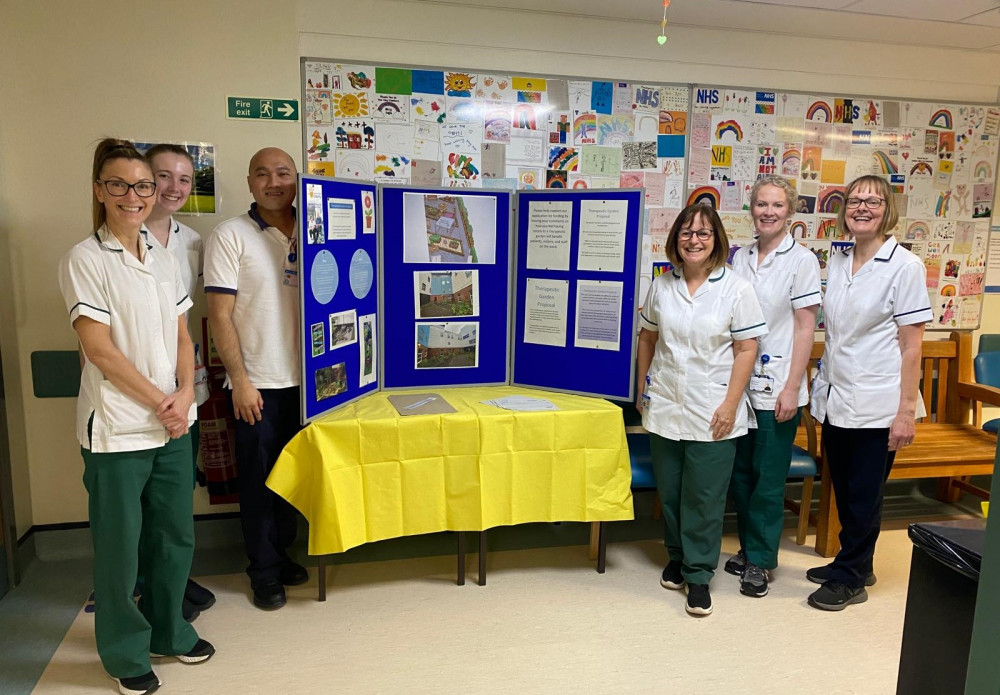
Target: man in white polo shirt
251,283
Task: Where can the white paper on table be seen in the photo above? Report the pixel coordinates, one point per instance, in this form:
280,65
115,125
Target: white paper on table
340,220
549,228
545,304
522,403
598,314
602,235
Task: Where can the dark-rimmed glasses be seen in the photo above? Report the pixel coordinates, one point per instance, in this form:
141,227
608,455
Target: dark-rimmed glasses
143,189
870,203
702,234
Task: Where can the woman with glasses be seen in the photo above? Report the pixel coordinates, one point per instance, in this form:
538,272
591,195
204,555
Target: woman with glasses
866,390
126,303
785,277
697,346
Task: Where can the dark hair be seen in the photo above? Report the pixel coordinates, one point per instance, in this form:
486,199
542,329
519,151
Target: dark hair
720,250
168,148
107,150
884,190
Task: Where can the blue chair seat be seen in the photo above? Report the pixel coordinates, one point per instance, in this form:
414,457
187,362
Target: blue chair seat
992,425
987,369
803,465
641,460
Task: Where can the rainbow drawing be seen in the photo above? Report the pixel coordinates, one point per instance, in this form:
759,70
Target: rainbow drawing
941,119
941,207
830,200
791,161
881,160
921,169
798,229
729,127
705,195
983,171
918,230
819,108
948,291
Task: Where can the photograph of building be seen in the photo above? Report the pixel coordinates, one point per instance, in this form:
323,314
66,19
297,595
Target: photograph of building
449,232
447,345
447,293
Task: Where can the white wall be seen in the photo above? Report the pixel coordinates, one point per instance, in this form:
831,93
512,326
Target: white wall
72,72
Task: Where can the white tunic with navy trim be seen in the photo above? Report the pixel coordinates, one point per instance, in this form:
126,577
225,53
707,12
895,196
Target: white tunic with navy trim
186,246
858,383
140,300
786,280
693,360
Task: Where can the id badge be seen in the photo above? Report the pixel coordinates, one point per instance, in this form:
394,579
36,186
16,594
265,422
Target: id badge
761,383
291,277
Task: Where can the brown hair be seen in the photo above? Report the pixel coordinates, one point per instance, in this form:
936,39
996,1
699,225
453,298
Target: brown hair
168,148
107,150
720,250
884,191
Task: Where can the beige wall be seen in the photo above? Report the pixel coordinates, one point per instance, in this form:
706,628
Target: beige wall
71,72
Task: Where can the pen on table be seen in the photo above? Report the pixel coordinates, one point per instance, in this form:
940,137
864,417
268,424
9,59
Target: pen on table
411,406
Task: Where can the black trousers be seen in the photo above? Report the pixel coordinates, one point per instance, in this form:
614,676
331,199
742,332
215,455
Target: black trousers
859,462
268,520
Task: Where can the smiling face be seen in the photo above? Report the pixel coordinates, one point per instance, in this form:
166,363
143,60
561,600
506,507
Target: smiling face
129,211
272,180
174,176
770,212
864,222
695,252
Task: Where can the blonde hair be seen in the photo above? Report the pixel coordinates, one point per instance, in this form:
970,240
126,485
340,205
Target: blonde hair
791,195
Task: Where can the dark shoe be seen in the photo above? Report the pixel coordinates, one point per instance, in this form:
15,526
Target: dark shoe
672,577
819,575
198,596
753,583
201,651
737,563
269,595
138,685
834,596
189,611
699,600
293,574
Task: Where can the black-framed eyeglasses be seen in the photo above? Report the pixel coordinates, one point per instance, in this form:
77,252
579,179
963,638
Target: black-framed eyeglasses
870,203
702,234
143,189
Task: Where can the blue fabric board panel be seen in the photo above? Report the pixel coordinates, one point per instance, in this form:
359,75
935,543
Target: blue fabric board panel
404,221
582,370
346,282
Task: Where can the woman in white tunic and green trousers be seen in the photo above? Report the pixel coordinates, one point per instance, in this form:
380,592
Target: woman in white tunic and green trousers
697,346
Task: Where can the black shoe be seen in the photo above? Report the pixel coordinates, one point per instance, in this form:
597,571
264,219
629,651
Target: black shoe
198,596
269,595
293,574
672,577
189,611
699,600
819,575
737,563
753,583
201,651
138,685
834,596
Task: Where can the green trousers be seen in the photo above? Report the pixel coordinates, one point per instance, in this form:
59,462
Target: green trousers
147,492
763,456
692,478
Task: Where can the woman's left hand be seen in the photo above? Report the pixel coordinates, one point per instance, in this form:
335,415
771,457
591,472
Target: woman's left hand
723,420
173,412
902,431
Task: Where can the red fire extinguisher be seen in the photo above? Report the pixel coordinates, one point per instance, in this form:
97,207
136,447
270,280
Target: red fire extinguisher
218,431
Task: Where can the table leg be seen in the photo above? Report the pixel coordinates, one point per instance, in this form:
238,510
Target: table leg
461,558
482,558
322,577
602,546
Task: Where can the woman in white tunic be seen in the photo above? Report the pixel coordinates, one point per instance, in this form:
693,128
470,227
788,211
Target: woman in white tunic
700,324
866,392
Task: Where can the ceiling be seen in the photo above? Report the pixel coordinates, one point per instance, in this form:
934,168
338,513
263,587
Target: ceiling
961,24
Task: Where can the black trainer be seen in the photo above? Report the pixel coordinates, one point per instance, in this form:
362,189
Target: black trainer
201,651
293,574
834,596
753,583
198,596
819,575
699,600
737,563
269,595
138,685
189,611
672,577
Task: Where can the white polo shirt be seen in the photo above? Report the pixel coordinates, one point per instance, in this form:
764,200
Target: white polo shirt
787,279
246,258
186,246
140,300
858,383
693,359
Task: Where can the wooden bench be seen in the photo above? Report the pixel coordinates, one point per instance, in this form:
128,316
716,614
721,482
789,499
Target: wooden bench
947,446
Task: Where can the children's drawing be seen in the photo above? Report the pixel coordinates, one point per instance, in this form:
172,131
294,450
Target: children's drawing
639,155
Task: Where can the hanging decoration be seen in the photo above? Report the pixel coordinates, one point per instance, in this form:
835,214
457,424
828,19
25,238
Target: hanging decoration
662,38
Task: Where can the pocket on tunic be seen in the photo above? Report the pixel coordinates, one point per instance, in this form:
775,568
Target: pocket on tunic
125,415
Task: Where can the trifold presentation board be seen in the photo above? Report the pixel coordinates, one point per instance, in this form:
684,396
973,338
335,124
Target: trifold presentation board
420,288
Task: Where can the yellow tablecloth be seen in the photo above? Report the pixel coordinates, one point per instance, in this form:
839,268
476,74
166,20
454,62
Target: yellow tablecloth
365,473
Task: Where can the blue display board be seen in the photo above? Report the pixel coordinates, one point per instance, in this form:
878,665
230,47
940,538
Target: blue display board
445,286
338,292
577,275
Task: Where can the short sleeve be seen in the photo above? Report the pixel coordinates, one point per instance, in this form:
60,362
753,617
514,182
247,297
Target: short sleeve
183,299
83,286
649,316
911,303
806,284
748,319
222,262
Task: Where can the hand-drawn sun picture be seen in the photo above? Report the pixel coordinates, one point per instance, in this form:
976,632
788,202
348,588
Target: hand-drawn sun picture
350,104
